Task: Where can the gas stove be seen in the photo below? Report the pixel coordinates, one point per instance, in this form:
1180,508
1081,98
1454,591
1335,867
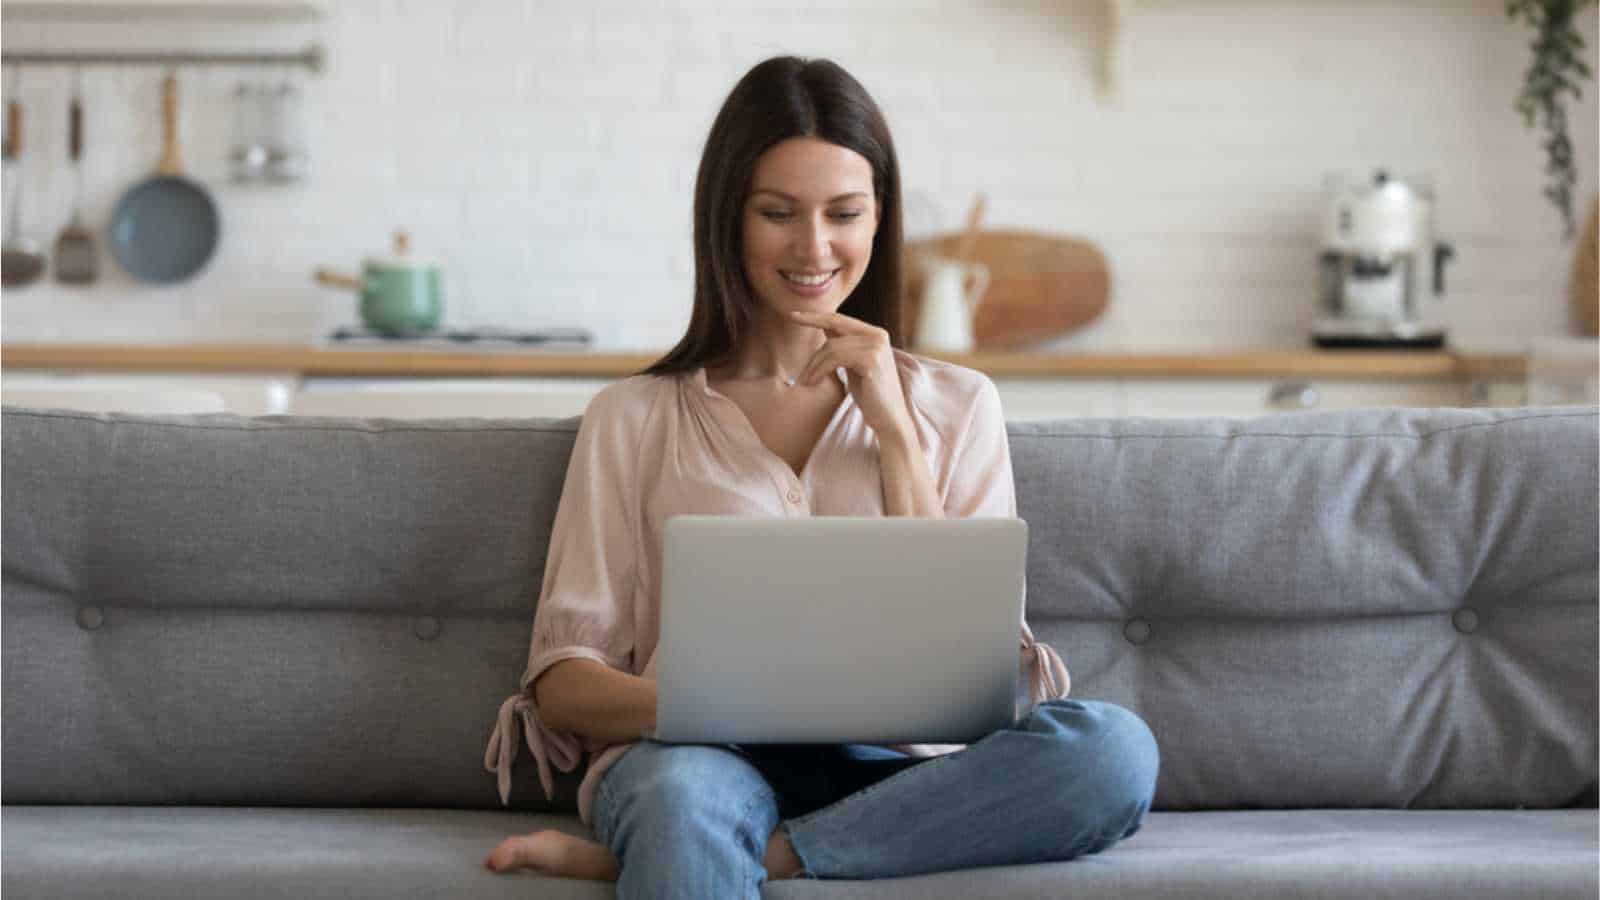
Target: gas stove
465,337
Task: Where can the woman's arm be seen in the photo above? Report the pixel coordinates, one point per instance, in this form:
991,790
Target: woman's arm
908,488
594,700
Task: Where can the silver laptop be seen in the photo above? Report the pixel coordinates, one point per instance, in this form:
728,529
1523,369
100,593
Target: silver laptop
880,630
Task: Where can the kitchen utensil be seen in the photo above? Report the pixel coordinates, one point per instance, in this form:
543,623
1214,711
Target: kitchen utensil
21,258
1041,285
286,141
1378,245
75,257
953,287
950,297
1586,275
969,238
399,294
166,227
247,152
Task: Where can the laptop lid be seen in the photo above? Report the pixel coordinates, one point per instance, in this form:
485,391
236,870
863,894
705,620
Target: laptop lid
881,630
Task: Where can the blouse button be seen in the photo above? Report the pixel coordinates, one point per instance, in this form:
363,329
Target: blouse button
795,497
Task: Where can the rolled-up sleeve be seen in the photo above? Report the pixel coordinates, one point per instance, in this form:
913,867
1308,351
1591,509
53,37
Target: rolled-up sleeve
981,484
585,609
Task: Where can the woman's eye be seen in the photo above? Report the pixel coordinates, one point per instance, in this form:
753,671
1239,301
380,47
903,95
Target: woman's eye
783,215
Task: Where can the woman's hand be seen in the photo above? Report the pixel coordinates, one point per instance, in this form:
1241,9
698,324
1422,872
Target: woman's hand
874,379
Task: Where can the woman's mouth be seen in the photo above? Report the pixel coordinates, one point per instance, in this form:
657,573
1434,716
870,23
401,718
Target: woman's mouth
809,284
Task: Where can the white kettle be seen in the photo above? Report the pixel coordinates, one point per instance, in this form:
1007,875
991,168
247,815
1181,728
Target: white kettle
950,297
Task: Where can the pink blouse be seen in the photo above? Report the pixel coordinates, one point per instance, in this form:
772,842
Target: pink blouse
651,447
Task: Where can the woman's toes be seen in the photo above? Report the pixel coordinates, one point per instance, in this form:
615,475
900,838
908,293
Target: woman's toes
555,853
513,853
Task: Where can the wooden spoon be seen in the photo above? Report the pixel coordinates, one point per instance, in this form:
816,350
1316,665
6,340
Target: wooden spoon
969,238
21,258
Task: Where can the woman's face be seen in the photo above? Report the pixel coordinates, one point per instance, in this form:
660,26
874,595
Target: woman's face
808,225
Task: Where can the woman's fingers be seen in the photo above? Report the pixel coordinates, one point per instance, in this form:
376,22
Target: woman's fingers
832,323
854,353
824,355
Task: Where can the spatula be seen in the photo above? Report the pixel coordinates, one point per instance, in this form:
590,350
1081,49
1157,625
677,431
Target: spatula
76,259
21,258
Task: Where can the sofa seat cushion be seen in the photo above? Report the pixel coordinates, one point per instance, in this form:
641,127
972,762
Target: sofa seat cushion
238,852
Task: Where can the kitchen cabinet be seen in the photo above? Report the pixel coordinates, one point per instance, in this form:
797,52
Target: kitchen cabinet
1167,398
1499,392
428,383
1023,399
1035,399
245,395
443,398
433,398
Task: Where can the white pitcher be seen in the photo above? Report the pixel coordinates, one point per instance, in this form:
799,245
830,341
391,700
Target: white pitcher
950,297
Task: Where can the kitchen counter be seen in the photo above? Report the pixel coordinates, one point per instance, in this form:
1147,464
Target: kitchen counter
369,360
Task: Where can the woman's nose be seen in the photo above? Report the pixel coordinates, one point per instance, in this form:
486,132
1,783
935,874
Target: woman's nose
815,240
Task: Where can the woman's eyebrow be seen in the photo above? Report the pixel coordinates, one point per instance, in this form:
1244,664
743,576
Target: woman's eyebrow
791,199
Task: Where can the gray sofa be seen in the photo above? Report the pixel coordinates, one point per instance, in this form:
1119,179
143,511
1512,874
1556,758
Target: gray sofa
261,657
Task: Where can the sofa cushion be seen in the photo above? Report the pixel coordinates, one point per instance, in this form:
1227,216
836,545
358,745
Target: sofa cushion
1370,608
130,853
214,609
1378,608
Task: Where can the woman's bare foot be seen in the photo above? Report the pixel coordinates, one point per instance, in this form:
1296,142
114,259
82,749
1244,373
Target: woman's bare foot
555,853
780,860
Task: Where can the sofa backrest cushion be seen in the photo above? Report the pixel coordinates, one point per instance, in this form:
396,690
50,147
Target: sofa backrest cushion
212,609
1373,608
1368,608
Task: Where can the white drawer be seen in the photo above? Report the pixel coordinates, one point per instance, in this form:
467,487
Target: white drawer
435,398
1029,399
1247,398
245,395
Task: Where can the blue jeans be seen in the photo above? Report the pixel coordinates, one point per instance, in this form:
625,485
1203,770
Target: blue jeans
692,820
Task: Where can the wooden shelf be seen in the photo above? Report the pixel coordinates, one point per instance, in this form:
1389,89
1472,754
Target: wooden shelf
162,11
342,361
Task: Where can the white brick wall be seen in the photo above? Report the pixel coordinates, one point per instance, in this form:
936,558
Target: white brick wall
546,152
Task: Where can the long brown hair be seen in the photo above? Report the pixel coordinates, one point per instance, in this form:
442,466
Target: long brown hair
784,97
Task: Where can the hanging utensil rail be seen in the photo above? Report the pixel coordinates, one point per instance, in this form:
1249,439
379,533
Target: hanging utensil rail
311,58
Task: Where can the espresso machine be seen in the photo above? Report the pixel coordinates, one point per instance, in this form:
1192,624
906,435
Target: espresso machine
1382,269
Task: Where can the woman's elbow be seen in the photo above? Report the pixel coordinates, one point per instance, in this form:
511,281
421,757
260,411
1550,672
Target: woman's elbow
548,695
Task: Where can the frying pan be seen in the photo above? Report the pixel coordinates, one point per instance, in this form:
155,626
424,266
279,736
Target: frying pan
166,227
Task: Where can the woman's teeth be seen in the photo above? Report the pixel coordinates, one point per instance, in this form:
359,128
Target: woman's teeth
808,280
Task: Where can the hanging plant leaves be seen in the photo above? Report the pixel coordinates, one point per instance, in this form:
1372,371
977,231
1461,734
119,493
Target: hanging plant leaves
1557,69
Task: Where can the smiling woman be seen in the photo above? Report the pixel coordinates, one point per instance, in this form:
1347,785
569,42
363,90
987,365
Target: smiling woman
798,178
802,246
789,396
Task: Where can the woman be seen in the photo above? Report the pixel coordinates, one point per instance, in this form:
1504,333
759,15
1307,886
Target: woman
789,396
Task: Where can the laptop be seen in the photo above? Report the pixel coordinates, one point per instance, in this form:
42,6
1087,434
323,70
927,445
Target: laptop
877,630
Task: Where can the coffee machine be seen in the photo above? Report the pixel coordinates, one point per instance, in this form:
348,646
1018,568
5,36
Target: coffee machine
1382,269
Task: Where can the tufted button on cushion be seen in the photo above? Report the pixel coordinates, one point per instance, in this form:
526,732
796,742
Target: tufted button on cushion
426,627
90,617
1137,631
1466,620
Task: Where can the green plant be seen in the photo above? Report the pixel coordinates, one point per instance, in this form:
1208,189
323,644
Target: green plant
1557,68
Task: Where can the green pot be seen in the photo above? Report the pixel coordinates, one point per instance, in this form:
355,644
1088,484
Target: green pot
400,293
